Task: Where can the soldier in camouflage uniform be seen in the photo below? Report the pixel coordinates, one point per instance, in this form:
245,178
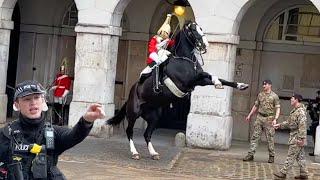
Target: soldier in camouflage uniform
268,107
297,140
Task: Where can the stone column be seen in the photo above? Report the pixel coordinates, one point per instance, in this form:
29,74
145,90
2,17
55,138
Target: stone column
210,122
5,30
95,71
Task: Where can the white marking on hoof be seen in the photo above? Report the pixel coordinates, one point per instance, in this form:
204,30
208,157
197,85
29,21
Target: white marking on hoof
132,148
156,157
151,150
218,86
135,156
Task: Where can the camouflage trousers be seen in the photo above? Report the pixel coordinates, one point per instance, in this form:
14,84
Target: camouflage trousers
295,152
262,124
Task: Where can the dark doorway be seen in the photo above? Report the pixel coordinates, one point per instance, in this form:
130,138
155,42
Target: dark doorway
175,115
13,58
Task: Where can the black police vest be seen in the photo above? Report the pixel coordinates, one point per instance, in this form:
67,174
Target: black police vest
20,147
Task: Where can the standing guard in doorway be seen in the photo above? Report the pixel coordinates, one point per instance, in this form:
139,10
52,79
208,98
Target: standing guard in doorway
62,85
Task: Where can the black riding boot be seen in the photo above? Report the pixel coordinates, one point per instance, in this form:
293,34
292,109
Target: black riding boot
143,78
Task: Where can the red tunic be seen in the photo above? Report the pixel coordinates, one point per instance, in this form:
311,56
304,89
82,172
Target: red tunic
152,46
63,82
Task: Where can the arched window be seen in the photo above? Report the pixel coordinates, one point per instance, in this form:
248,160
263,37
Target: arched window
300,24
70,19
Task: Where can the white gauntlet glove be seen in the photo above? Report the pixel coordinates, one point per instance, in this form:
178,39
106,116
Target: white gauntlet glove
216,82
162,44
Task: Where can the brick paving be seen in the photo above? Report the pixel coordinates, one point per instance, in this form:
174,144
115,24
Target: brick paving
221,165
110,159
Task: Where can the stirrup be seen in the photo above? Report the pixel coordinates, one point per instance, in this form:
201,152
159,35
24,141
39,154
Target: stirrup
156,90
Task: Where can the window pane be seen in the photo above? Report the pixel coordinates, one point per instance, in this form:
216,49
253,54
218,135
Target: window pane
303,30
293,16
281,18
275,32
315,20
313,31
305,19
292,29
291,38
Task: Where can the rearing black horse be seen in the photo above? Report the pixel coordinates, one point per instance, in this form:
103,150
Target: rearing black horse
180,74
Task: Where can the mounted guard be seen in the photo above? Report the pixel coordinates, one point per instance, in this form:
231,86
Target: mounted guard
157,50
182,72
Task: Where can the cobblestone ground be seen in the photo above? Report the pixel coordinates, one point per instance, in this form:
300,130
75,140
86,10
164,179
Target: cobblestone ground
109,159
216,165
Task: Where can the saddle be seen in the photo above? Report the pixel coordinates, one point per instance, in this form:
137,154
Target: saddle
157,75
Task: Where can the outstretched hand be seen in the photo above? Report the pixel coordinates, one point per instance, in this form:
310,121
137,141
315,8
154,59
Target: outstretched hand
276,126
94,112
248,118
301,142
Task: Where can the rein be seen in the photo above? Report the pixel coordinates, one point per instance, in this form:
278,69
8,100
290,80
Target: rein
192,60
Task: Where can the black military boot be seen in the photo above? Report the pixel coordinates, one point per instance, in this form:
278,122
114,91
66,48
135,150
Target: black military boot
301,177
143,77
271,159
248,158
280,175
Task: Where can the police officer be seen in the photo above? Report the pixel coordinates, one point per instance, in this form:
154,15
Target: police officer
30,147
268,107
297,140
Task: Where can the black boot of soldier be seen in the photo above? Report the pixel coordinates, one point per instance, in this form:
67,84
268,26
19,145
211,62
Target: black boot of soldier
143,78
271,159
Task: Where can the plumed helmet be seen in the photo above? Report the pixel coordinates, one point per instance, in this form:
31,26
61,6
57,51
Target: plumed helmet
165,26
62,68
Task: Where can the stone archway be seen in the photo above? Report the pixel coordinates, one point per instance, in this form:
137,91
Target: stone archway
12,60
6,26
210,125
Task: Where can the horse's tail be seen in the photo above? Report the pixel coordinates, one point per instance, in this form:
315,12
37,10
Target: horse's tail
115,120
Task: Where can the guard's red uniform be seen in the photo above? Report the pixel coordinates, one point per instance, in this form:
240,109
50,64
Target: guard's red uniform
63,82
152,47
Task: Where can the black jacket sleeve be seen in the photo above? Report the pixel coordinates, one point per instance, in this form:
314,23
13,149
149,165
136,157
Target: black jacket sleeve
66,138
4,147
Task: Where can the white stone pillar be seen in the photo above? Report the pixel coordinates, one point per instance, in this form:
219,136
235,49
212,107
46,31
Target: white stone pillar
95,71
5,30
210,122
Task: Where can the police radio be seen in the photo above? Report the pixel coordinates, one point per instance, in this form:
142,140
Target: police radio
49,135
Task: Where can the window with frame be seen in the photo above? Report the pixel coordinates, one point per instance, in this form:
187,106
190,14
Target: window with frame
300,24
70,18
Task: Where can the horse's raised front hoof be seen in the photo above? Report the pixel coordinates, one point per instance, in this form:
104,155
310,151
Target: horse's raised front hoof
218,86
242,86
135,156
155,157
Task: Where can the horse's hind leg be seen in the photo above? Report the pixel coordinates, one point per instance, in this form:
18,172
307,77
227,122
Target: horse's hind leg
152,118
237,85
134,153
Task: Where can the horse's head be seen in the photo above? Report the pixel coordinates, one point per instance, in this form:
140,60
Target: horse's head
196,36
